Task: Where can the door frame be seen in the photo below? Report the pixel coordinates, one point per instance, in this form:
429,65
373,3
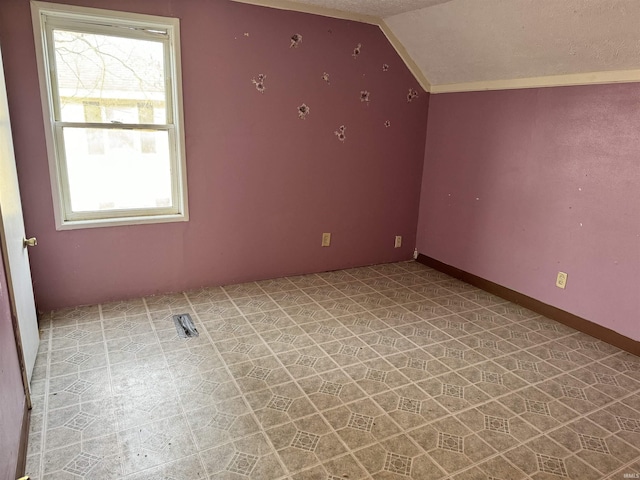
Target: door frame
14,317
26,415
21,459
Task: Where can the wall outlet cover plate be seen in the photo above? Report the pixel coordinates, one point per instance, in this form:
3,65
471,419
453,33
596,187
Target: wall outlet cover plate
561,280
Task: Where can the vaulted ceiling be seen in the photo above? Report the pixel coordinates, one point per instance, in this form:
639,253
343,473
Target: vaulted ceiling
493,42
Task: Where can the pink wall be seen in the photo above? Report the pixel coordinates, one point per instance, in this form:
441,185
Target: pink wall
12,396
263,184
521,184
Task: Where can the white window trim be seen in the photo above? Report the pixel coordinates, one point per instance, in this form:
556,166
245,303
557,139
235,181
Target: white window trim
58,177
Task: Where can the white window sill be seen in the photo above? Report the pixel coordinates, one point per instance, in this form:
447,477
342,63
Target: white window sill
115,222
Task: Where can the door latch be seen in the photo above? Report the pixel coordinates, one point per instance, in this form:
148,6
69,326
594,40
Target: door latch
29,242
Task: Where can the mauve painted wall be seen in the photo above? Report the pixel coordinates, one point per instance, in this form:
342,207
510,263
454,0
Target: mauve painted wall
521,184
263,184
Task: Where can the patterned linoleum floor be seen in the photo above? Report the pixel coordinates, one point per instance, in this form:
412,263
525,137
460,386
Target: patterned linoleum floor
388,372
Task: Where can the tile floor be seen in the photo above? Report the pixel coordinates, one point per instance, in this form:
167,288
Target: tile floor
387,372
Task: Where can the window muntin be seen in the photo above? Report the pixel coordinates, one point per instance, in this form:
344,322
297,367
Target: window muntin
113,104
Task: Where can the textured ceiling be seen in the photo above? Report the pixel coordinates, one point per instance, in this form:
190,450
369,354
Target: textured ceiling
374,8
461,41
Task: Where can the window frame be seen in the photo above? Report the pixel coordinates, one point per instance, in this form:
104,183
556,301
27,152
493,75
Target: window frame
45,17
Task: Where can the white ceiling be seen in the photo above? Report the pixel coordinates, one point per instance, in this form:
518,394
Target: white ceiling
464,41
374,8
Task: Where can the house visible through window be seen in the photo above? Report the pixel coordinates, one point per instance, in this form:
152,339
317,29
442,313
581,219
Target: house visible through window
114,112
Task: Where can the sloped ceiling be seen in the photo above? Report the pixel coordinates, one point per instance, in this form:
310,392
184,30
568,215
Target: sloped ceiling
480,42
374,8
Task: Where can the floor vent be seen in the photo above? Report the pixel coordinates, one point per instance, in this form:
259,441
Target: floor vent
185,326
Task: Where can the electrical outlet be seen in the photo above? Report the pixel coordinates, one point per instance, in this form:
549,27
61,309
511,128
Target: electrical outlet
398,243
561,280
326,239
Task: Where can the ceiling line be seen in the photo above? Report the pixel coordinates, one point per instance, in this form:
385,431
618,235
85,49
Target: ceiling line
314,9
572,79
406,57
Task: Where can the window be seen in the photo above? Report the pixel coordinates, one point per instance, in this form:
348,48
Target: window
111,96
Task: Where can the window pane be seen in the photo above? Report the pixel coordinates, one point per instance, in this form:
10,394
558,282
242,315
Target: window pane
113,74
124,176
